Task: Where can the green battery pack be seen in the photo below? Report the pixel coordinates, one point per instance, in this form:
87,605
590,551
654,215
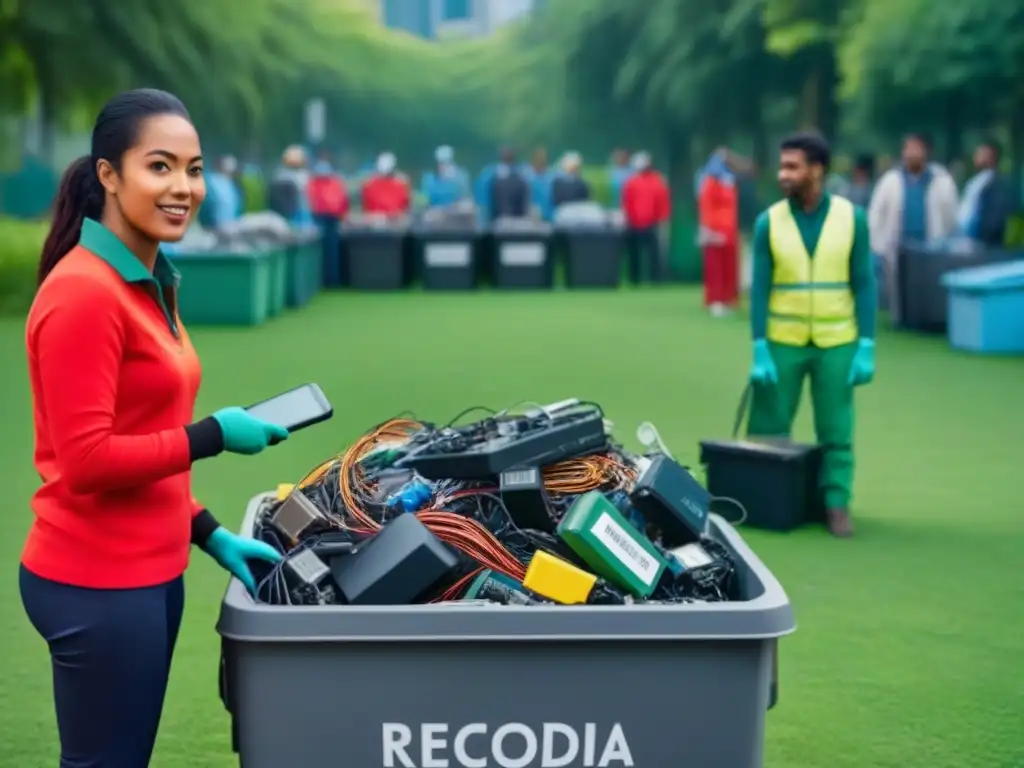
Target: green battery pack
596,531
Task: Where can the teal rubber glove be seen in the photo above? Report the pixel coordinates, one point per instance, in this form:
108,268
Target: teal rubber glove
246,434
232,553
763,370
862,369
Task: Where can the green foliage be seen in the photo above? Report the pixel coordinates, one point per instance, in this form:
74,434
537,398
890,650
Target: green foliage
599,180
254,190
19,260
1015,232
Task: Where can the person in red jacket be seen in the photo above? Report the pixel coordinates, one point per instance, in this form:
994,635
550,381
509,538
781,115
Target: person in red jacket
387,192
328,202
718,211
114,379
646,204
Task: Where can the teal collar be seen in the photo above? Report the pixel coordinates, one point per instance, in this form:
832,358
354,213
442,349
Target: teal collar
823,204
162,283
108,246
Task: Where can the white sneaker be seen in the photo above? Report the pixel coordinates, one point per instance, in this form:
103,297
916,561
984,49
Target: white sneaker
718,310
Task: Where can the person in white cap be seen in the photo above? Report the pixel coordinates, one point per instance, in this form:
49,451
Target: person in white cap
387,191
646,205
568,186
287,190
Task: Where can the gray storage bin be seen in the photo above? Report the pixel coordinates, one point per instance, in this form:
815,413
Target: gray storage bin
522,254
447,256
375,256
665,686
593,255
923,304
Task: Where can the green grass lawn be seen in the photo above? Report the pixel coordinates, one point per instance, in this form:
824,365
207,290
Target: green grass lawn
910,638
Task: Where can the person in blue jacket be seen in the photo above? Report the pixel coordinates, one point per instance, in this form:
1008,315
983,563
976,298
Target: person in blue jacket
482,190
620,172
223,200
540,177
446,184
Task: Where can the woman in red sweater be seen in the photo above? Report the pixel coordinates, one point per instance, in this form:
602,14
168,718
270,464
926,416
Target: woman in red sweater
718,208
114,380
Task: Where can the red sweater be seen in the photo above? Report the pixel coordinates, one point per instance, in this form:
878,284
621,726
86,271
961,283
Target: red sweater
645,200
114,379
386,194
718,207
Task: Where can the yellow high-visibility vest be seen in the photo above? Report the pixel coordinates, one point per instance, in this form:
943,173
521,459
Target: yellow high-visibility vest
811,300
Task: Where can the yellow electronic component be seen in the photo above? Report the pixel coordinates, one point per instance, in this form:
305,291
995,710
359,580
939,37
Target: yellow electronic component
283,489
558,580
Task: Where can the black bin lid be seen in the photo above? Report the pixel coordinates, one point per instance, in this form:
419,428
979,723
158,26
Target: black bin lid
780,449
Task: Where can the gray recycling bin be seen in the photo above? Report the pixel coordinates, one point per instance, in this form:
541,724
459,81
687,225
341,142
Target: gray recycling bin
447,253
922,301
374,254
494,685
522,254
593,254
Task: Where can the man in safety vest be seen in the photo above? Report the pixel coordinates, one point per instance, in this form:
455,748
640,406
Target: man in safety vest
812,313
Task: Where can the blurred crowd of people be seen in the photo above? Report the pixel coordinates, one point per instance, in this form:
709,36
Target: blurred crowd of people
316,193
913,201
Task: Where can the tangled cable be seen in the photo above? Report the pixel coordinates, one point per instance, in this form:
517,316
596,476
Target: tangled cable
367,486
357,496
597,472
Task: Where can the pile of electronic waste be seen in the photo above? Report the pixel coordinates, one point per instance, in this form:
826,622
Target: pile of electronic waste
531,508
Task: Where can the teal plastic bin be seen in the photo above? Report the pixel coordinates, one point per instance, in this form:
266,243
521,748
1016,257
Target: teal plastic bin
277,287
986,308
224,288
304,272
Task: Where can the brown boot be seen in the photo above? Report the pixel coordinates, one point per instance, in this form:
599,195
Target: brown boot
839,523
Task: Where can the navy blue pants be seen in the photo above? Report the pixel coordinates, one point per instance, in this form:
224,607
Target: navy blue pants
332,275
111,651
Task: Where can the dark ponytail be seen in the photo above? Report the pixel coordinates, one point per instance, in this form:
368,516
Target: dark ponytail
80,194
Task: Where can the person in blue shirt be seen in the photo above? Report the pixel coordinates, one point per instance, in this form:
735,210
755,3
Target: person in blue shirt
540,178
987,202
223,200
619,173
288,188
482,190
446,184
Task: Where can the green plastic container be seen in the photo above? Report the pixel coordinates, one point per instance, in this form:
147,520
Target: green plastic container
277,287
596,531
224,288
304,272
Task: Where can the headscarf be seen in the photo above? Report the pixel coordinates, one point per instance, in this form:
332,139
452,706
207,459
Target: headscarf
386,163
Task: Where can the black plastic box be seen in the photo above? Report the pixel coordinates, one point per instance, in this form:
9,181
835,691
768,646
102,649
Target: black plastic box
374,257
922,301
522,254
447,258
593,256
776,481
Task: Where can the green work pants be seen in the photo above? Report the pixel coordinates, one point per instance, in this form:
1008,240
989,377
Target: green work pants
774,407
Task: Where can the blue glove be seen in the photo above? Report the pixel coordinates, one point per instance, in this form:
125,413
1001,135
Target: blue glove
763,370
232,553
246,434
862,369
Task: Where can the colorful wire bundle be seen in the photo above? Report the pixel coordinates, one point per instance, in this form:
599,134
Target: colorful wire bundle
589,473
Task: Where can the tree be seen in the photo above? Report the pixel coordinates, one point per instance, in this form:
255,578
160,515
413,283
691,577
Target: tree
957,67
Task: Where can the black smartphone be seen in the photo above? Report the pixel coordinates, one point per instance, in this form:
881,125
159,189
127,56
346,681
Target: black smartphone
295,409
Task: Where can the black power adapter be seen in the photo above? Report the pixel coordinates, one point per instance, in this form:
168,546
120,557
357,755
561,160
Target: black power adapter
672,500
396,566
524,496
